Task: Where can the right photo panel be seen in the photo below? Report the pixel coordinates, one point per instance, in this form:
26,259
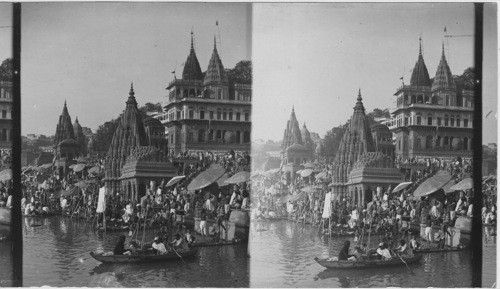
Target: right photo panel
363,144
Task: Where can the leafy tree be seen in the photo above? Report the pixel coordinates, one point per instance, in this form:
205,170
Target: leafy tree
6,70
241,73
104,135
333,138
151,107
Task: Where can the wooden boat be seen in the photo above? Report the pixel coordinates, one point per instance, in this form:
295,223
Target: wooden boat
438,250
143,258
363,264
213,244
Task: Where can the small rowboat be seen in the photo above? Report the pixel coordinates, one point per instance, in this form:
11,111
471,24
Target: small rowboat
438,250
362,264
143,258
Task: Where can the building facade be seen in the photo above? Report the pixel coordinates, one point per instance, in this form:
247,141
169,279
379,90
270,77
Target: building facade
206,112
432,119
5,115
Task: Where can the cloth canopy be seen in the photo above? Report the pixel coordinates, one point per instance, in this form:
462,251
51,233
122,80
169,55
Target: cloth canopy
78,167
206,178
298,196
432,184
306,173
174,180
94,170
308,190
222,181
321,175
239,177
6,175
401,186
465,184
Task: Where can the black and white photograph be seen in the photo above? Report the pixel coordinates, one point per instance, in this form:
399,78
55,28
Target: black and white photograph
6,249
136,121
365,178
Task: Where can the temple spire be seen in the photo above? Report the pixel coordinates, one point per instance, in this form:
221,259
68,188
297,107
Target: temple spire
215,43
420,46
131,93
192,41
442,50
359,99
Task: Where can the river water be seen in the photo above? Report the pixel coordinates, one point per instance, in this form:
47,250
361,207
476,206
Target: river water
489,257
57,254
6,264
282,255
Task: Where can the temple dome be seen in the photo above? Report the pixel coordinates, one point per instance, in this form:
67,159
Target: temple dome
215,71
420,75
443,79
192,69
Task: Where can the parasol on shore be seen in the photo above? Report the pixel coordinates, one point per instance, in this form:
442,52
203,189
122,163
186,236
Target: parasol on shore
432,184
93,170
321,175
84,183
78,167
206,178
222,181
70,192
306,173
308,190
401,186
465,184
298,196
6,175
47,166
174,180
239,177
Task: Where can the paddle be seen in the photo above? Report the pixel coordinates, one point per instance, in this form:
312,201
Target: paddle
405,264
177,254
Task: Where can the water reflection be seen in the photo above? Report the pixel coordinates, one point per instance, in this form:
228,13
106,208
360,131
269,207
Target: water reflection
282,254
57,254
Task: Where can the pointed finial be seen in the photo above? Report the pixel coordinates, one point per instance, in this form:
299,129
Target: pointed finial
359,93
420,46
192,46
65,103
293,108
131,93
442,49
76,119
215,45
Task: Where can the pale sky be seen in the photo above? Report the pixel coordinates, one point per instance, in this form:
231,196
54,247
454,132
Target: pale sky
89,53
5,31
316,56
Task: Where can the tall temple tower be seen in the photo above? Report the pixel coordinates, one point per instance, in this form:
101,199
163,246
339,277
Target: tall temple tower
308,143
432,119
129,134
292,133
64,129
80,137
356,141
207,112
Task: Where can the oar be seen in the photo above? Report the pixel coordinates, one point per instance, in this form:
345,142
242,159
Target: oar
177,254
405,264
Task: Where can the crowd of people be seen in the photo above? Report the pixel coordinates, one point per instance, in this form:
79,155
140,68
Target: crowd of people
46,191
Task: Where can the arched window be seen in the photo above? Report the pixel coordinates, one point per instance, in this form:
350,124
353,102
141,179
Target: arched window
224,114
201,135
458,120
191,112
406,99
452,120
420,99
219,114
438,142
429,119
418,143
466,122
447,98
419,118
190,136
211,135
238,136
446,141
247,116
413,99
446,119
466,143
230,114
192,93
219,134
426,99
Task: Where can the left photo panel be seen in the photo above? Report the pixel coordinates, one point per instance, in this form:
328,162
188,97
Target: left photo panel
6,79
136,122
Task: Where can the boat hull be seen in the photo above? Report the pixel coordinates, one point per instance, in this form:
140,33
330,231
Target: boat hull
346,264
171,256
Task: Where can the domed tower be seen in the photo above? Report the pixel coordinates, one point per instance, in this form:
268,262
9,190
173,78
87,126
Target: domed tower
306,139
129,134
64,129
192,69
444,89
292,133
357,140
216,82
420,75
80,137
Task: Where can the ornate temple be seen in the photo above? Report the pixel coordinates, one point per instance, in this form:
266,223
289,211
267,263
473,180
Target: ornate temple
134,154
68,145
6,119
433,119
297,147
206,112
352,173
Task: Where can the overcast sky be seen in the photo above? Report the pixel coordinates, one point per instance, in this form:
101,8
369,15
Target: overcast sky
5,31
316,56
89,53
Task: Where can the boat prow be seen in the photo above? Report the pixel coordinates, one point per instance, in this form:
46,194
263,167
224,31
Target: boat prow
362,264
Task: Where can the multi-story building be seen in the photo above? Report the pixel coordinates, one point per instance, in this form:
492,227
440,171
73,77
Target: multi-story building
6,115
432,119
207,112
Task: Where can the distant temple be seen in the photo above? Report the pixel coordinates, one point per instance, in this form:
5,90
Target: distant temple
433,119
68,146
135,157
206,112
358,167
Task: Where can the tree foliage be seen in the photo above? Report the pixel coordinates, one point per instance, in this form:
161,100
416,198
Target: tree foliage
104,135
466,80
151,107
6,70
241,73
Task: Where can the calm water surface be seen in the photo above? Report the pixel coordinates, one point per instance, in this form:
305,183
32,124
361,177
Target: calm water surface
282,255
5,264
489,257
57,254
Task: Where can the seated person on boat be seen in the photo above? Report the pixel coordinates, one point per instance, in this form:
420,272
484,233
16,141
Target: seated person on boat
404,250
120,247
414,244
159,246
179,244
133,248
344,252
189,238
383,252
359,254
